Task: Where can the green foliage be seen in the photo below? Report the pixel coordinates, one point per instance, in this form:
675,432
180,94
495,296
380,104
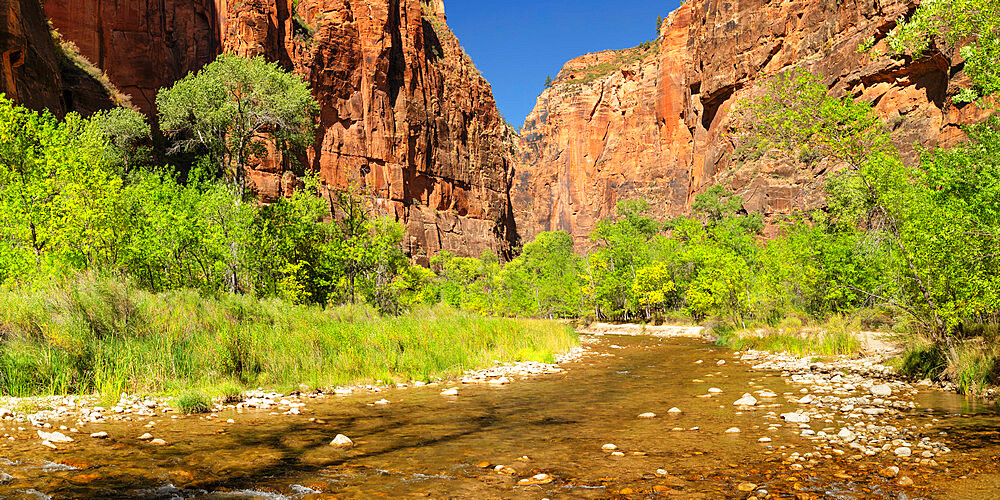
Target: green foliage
193,402
233,108
548,81
970,26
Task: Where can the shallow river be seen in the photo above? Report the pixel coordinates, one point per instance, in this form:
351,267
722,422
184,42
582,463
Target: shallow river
423,444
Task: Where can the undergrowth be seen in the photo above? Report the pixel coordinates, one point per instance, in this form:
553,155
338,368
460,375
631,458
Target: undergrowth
92,334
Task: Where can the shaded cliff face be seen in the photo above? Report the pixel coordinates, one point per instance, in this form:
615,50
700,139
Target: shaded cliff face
405,115
653,124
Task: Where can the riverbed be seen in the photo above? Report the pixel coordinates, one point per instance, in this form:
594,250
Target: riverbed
573,434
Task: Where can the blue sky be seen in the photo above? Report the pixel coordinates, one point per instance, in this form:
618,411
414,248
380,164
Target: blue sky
516,43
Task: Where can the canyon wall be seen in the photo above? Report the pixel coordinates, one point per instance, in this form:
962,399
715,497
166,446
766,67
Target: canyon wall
405,116
651,122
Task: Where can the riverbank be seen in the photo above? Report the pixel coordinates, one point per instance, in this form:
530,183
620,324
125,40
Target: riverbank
103,337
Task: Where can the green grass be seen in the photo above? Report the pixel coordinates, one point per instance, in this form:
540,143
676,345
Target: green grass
828,343
193,402
91,335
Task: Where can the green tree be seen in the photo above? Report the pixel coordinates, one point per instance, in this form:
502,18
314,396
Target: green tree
548,81
544,280
232,108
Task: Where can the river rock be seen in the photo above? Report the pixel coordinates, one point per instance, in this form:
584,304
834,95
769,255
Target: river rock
146,437
647,415
881,390
450,392
99,435
6,412
617,454
795,418
889,472
609,447
54,437
342,441
158,442
847,435
504,381
382,401
675,410
536,479
732,430
764,439
714,390
905,482
903,452
747,487
746,400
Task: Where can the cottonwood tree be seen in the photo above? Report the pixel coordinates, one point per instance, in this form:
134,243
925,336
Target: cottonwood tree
232,108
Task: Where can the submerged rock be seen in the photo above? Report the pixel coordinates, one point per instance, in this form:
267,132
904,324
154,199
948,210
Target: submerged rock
647,415
342,441
746,400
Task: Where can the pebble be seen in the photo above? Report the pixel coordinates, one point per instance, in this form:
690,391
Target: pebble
382,402
847,435
764,440
714,390
99,435
647,415
450,392
674,410
617,454
889,472
158,442
747,487
536,479
342,441
795,418
54,437
609,447
746,400
881,390
905,482
146,437
903,452
732,430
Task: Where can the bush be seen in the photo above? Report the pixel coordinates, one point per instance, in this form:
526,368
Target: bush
193,402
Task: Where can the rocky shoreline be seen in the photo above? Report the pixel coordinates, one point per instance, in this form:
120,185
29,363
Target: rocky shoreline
63,419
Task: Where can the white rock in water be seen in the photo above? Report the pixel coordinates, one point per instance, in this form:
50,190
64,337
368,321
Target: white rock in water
795,418
764,440
674,410
609,447
146,437
158,442
647,415
847,435
54,437
342,441
807,399
5,412
768,394
732,430
450,392
721,362
881,390
500,381
903,451
99,435
746,400
714,390
382,402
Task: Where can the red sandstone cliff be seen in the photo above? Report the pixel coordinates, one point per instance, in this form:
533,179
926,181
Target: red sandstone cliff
650,124
404,112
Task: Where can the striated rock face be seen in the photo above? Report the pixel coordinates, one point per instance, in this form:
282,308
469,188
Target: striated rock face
653,123
405,115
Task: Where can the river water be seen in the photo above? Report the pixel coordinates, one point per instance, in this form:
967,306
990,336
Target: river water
423,444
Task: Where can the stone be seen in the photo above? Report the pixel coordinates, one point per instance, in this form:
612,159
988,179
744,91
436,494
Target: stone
609,447
746,487
450,392
54,437
382,402
99,435
647,415
342,441
905,482
889,472
732,430
795,418
902,452
536,479
617,454
501,381
146,437
746,400
6,412
674,411
714,390
158,442
847,435
764,439
881,390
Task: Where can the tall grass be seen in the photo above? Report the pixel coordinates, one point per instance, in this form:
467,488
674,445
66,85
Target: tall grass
101,335
820,343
